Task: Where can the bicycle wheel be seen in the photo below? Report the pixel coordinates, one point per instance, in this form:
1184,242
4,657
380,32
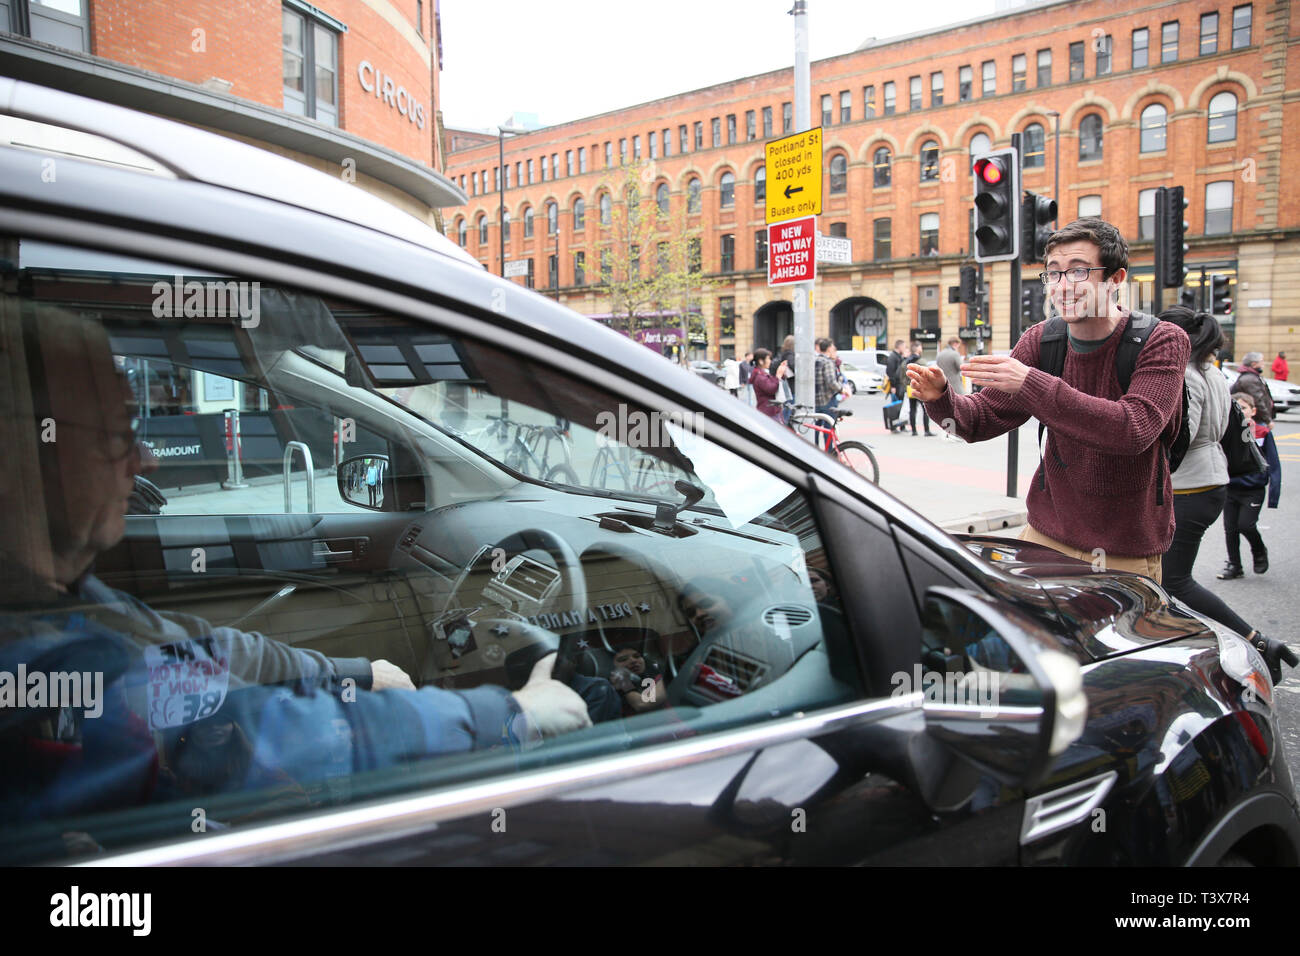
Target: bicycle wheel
859,457
563,474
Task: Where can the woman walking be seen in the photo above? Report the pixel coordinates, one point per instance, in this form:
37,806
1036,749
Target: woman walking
767,386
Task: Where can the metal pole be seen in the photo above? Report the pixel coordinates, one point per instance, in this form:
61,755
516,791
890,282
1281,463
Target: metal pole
1013,436
804,392
501,207
1157,293
981,309
1056,188
1204,299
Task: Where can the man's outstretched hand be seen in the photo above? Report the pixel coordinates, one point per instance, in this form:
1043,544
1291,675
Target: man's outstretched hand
385,675
551,707
1002,372
928,381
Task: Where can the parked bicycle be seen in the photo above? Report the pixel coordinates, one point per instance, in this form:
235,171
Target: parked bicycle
855,454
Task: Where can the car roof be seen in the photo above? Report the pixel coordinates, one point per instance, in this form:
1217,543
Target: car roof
198,155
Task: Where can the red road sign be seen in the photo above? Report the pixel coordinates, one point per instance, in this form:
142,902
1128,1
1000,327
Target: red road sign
792,251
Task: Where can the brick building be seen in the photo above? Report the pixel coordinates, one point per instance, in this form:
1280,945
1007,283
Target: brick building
347,86
1146,93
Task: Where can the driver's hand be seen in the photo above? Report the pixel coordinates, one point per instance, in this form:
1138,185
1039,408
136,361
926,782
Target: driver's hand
385,675
551,707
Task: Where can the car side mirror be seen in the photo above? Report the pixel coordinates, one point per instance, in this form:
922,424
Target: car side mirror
364,482
996,688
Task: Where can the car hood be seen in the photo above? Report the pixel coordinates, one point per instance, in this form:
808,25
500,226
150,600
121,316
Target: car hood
1106,612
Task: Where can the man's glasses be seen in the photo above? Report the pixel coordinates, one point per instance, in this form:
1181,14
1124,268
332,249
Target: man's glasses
116,445
1077,274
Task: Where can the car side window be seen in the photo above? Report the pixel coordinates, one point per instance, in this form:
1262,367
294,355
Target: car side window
222,666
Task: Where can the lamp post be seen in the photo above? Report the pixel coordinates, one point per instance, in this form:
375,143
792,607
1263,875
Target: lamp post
1056,188
501,171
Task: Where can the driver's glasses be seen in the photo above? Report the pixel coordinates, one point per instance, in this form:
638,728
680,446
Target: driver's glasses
115,445
1076,274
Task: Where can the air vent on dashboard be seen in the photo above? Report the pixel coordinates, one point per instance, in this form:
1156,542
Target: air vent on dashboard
782,616
411,536
725,674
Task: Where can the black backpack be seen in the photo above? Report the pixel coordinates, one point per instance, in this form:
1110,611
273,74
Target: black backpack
1051,359
1238,442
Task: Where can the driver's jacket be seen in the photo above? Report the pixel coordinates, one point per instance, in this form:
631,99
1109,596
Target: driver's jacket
143,678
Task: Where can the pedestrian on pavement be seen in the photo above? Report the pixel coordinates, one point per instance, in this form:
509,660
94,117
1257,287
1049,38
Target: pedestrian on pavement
896,377
1201,482
731,376
372,482
1250,379
786,358
1280,369
745,367
950,360
1246,500
913,403
829,386
767,385
1102,488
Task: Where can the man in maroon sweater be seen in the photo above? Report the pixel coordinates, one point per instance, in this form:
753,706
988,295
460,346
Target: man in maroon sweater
1102,489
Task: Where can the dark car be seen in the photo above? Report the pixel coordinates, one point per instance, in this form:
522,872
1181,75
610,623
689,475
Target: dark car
771,659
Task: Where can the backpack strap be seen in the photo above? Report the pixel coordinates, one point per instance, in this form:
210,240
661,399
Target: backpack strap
1051,359
1134,337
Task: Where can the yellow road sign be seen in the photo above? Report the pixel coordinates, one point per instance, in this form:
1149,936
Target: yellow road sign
794,176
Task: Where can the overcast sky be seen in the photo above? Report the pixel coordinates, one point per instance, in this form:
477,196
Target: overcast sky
573,58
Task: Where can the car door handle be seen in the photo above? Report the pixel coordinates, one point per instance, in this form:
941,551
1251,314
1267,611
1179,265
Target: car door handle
340,550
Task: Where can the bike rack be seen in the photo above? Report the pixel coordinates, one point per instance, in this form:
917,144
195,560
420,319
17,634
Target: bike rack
310,472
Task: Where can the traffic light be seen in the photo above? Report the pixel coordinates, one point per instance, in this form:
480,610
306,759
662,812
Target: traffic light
968,290
1037,213
997,205
1173,230
1187,298
1220,303
1033,297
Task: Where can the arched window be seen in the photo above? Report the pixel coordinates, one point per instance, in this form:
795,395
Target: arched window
760,184
1152,137
693,196
606,209
505,226
980,143
727,190
482,228
929,161
462,232
528,223
839,174
1090,137
579,215
1222,125
661,198
552,219
1034,146
880,167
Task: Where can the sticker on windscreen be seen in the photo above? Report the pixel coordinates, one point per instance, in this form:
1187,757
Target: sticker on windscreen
188,680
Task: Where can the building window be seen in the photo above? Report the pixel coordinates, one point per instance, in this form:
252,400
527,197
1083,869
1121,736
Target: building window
787,117
1222,125
568,162
579,215
846,106
474,182
760,184
989,74
579,268
528,223
606,209
553,272
1076,61
760,249
636,148
1035,149
694,255
751,125
727,263
827,117
965,77
505,226
716,125
606,270
1152,136
930,162
683,140
622,150
767,122
654,144
889,98
1102,48
530,280
310,59
662,198
880,240
582,159
731,128
1169,42
543,164
869,102
693,196
1141,41
913,92
699,135
979,143
496,179
930,234
482,229
1090,138
555,165
1019,68
1241,26
1089,206
839,230
727,191
552,219
1147,214
880,167
1218,208
839,174
936,89
609,155
1209,33
1044,67
668,143
727,315
462,232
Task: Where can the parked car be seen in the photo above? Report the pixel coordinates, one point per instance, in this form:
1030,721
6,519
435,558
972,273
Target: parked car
780,662
708,371
872,360
1286,395
861,380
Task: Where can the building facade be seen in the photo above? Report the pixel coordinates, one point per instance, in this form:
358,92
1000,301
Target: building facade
1125,95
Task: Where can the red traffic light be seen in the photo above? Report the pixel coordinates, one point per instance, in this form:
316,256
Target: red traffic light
989,170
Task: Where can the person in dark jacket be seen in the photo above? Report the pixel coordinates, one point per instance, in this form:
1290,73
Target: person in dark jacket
1250,379
896,376
1246,500
767,386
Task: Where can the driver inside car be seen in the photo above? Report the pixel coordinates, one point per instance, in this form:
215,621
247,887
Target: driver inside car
63,495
